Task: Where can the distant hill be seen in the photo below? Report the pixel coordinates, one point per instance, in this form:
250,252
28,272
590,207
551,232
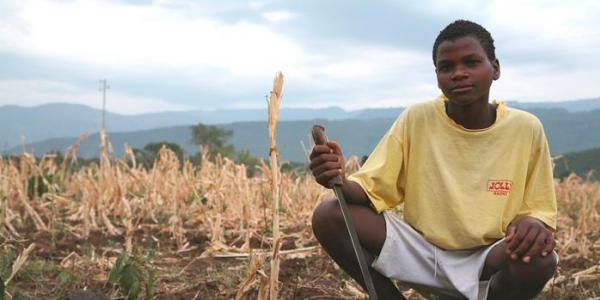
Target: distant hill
566,132
69,120
572,106
357,136
581,163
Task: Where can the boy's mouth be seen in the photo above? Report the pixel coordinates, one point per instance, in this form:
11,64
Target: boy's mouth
462,89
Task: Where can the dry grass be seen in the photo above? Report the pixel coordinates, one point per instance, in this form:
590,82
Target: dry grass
183,217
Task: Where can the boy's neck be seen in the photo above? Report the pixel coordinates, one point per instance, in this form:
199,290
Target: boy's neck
477,115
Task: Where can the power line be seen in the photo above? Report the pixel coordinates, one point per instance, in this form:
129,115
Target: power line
103,87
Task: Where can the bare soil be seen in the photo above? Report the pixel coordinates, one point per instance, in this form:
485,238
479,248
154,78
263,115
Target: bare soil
313,275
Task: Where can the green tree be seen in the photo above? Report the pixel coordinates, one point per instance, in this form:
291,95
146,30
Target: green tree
585,164
213,137
217,141
149,153
154,148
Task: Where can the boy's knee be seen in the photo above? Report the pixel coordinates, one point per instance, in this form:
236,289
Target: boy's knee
326,219
524,280
535,273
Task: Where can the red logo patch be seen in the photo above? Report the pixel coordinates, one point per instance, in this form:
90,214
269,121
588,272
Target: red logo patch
499,187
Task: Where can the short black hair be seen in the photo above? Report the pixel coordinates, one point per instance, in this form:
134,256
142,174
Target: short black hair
462,28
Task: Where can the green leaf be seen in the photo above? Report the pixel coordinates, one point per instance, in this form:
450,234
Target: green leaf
150,282
18,296
64,277
117,269
1,288
134,291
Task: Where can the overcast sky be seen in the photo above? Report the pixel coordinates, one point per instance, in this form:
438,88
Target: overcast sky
215,54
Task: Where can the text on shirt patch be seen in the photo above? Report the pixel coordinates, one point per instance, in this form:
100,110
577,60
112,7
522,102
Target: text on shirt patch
499,187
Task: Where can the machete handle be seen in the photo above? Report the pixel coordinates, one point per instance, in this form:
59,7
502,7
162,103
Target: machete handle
318,134
319,137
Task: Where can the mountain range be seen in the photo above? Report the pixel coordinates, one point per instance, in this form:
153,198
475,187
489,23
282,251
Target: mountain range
358,131
59,120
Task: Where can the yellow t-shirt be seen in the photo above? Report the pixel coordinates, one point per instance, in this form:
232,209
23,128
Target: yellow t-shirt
461,188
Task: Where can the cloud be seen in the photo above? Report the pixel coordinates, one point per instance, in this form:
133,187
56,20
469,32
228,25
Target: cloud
384,23
535,83
32,93
223,54
127,36
278,16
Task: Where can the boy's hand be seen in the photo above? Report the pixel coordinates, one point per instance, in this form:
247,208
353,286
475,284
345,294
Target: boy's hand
327,162
527,237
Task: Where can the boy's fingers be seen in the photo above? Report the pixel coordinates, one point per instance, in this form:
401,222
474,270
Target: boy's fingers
536,248
330,165
510,233
338,151
318,150
335,149
527,242
333,145
550,244
520,233
321,159
325,177
510,243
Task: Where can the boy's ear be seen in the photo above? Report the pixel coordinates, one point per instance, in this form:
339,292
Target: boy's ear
496,67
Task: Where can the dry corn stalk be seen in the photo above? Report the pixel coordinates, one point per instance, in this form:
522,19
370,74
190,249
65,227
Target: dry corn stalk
263,290
274,101
19,262
250,279
72,153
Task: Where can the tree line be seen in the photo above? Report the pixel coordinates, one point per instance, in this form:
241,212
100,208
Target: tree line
215,139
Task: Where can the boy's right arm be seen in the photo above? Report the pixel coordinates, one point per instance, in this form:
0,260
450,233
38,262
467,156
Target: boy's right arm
326,163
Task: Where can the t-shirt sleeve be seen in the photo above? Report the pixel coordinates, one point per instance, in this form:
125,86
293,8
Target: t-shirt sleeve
379,176
539,197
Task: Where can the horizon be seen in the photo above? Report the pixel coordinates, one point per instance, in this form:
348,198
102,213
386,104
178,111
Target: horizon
176,55
283,107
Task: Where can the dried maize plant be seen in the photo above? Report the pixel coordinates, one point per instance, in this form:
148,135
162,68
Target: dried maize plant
173,189
20,180
4,210
105,185
300,195
577,238
72,155
579,217
231,208
246,227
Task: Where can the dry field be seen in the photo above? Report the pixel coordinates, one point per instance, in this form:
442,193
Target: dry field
183,231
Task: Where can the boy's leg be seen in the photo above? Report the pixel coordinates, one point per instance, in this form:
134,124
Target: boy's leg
516,279
330,229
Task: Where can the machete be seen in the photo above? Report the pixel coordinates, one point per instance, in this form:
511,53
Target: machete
318,134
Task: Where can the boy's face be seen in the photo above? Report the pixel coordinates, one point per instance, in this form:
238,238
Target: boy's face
464,72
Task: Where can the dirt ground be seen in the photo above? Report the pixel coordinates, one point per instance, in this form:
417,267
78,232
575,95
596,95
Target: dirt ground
62,263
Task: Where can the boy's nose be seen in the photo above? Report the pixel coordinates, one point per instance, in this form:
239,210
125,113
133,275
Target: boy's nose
459,73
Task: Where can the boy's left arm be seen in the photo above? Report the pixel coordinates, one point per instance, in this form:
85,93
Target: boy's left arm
531,232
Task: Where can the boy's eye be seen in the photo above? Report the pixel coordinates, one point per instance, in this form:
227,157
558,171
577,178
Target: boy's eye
444,68
471,63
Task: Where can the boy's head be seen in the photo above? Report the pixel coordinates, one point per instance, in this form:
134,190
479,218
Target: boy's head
463,28
465,62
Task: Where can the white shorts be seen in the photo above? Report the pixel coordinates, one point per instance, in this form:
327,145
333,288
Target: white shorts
407,257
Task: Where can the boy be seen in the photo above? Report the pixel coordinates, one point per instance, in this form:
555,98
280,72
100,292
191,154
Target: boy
475,179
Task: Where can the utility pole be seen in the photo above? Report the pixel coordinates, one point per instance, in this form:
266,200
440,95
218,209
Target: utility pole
103,87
